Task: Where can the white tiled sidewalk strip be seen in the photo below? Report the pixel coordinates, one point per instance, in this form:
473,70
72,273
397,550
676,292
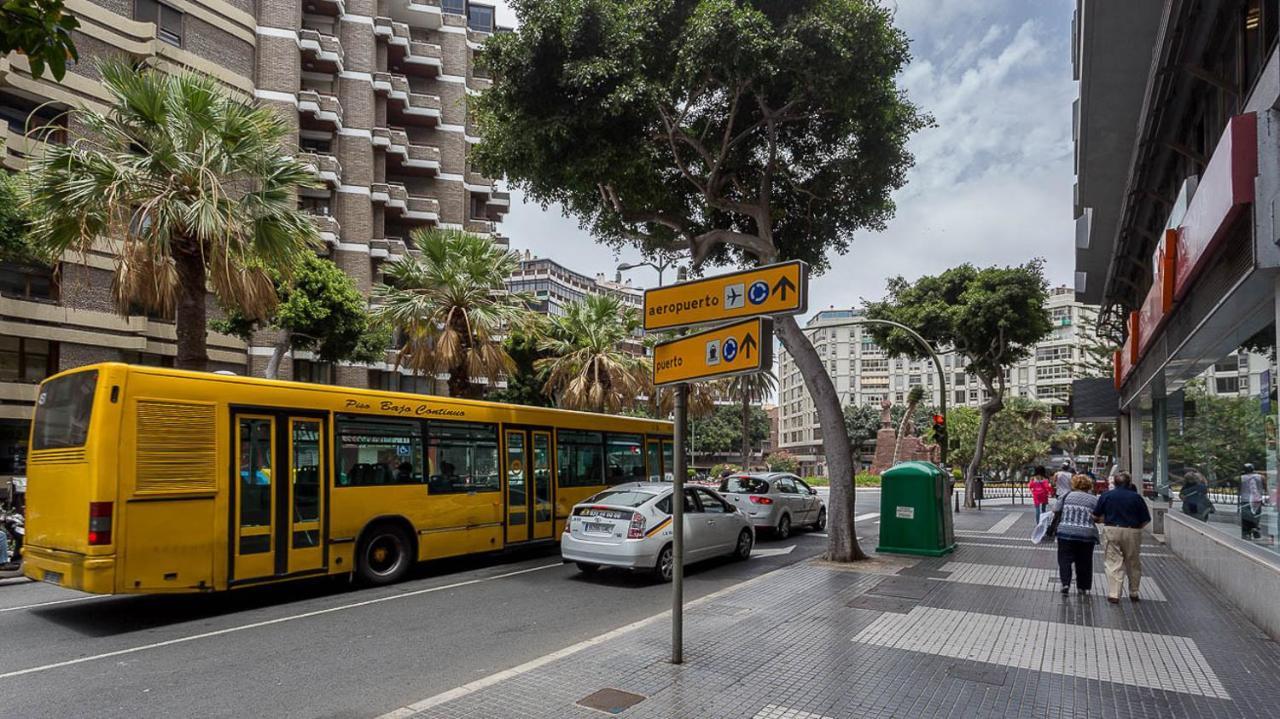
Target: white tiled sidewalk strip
1004,524
1142,659
773,711
1046,547
994,575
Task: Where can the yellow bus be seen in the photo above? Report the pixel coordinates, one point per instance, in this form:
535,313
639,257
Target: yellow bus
143,479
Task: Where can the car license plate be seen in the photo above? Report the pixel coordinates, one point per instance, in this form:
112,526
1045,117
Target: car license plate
595,528
53,577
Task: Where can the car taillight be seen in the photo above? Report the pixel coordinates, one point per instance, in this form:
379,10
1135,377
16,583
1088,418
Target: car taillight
99,523
636,530
757,499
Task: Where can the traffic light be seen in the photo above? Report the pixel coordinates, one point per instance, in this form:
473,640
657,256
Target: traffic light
940,430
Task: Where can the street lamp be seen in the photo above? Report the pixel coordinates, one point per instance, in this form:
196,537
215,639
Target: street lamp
660,266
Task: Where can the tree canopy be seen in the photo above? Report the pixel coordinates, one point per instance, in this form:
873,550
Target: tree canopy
41,30
720,432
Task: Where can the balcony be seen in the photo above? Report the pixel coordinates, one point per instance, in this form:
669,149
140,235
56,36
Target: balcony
16,148
391,195
320,52
328,228
417,160
422,209
499,204
319,111
335,8
405,107
483,227
406,55
418,13
325,167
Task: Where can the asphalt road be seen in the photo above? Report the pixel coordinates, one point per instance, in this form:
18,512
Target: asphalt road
323,648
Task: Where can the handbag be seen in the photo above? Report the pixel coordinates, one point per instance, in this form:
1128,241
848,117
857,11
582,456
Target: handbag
1057,517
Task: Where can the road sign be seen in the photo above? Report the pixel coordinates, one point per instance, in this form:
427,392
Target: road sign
781,289
737,348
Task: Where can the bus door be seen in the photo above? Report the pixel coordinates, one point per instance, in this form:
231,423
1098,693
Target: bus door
279,497
529,471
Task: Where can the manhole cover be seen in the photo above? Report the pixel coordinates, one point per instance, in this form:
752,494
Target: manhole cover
906,588
612,701
984,675
897,605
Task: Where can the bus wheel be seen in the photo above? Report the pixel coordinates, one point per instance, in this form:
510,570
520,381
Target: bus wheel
384,555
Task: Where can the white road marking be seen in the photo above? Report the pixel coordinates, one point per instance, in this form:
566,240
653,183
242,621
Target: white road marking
759,553
774,711
53,602
477,685
1004,524
864,517
1142,659
269,622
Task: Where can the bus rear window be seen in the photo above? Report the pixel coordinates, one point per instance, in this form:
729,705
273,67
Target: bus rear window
62,411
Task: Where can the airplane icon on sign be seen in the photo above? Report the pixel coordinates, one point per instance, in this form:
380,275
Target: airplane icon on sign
733,296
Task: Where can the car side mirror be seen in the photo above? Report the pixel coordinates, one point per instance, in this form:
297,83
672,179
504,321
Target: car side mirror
812,490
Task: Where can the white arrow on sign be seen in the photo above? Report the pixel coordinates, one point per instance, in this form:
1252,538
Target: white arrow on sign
772,552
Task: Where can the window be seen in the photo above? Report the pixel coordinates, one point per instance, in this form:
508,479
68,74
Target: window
480,17
784,485
63,411
580,457
711,504
168,20
308,371
462,457
373,452
624,458
319,206
477,206
255,483
454,7
313,144
27,360
1227,385
383,380
803,488
27,283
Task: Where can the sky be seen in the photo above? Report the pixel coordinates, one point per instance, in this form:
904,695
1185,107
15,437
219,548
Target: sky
992,182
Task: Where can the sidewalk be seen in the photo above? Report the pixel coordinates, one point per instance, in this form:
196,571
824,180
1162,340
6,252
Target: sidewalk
981,633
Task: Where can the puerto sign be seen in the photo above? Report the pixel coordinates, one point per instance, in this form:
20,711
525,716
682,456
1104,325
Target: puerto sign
737,348
781,289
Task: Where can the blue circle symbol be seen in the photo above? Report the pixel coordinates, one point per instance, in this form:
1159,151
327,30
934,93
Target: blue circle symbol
729,349
758,292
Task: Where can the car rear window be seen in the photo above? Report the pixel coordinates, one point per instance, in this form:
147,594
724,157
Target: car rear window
622,498
63,411
744,485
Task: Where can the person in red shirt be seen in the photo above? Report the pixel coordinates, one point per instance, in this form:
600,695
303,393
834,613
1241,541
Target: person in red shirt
1040,488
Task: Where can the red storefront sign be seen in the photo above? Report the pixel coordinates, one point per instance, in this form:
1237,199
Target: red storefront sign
1159,302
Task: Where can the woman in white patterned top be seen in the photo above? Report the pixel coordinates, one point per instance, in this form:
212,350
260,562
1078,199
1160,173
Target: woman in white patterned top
1077,534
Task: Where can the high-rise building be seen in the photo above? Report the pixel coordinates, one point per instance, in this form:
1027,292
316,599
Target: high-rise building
378,93
864,374
554,286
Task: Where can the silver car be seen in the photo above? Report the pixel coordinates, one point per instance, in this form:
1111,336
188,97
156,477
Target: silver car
776,501
629,526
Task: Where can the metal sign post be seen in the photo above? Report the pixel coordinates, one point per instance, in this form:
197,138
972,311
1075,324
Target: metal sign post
677,526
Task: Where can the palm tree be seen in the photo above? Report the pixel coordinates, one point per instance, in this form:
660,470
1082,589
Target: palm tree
450,307
914,395
749,389
588,369
193,187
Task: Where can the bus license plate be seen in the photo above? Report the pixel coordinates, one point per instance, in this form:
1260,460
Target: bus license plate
594,528
53,577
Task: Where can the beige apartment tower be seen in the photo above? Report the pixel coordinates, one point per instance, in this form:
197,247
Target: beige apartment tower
378,91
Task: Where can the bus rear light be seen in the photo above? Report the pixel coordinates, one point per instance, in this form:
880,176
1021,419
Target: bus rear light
756,499
100,523
636,530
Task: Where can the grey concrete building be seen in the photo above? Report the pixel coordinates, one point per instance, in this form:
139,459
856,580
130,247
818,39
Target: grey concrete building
378,91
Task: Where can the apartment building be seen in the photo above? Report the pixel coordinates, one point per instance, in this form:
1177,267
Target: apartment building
378,93
555,286
864,374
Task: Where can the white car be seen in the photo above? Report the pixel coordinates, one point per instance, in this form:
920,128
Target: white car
776,501
629,526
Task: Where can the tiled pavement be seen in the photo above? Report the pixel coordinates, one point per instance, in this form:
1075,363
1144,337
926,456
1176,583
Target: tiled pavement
813,641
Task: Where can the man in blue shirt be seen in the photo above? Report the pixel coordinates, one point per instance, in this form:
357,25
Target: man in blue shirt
1123,513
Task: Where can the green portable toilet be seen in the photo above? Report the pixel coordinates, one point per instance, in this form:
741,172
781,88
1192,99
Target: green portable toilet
915,516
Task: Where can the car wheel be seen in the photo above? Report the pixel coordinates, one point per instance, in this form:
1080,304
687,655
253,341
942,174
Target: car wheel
821,524
665,565
743,550
783,529
587,567
384,555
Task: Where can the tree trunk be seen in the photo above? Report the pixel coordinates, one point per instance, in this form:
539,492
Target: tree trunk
746,426
192,313
989,409
842,540
277,355
1097,450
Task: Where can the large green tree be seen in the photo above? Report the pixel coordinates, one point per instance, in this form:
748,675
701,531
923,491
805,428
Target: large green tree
1218,435
41,30
193,186
992,317
524,384
450,307
586,366
743,131
15,225
748,391
720,432
321,311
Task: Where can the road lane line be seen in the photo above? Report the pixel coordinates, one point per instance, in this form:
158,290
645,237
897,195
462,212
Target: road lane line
869,515
269,622
477,685
51,603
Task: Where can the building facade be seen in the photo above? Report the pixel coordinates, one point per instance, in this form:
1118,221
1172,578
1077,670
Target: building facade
377,91
555,286
1177,177
864,374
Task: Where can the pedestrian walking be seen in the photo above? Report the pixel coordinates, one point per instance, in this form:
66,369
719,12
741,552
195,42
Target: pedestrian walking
1077,534
1062,480
1253,488
1123,513
1040,490
1195,496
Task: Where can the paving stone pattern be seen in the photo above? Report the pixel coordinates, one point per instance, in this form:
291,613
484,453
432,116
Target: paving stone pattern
816,642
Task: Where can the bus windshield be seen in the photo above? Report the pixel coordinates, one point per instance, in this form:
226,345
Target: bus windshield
62,411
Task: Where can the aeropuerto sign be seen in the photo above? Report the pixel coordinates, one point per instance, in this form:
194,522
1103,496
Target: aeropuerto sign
781,289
